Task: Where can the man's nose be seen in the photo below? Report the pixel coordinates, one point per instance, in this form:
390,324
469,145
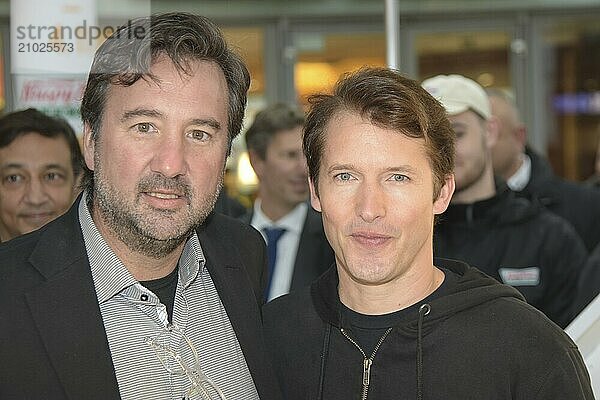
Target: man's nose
36,192
169,158
371,201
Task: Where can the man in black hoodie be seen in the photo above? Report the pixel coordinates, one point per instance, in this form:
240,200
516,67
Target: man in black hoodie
530,175
486,225
386,322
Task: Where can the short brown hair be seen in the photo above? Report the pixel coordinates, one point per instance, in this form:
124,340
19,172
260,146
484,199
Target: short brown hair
273,119
388,100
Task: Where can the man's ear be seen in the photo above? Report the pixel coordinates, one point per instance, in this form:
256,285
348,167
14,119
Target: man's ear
441,203
492,131
520,133
89,146
257,163
314,196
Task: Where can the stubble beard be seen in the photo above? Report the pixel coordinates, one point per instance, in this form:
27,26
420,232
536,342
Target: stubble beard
149,231
472,177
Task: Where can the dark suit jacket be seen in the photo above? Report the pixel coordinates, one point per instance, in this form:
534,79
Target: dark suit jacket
229,206
314,255
52,339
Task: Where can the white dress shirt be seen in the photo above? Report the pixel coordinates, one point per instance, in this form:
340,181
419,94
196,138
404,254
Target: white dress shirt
521,178
287,247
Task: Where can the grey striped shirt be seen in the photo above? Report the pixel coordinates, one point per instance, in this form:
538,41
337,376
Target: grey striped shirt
132,313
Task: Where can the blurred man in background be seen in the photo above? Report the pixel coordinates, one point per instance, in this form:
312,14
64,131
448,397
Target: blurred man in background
509,238
40,163
530,175
298,250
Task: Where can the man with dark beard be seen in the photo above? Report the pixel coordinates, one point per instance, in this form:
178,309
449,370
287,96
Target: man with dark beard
139,291
487,226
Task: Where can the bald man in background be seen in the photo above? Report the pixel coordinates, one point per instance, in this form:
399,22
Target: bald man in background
530,175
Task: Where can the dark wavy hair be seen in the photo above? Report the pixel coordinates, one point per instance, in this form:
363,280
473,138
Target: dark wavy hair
128,54
19,123
388,100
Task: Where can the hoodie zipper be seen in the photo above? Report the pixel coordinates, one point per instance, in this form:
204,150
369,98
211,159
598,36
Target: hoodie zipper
367,362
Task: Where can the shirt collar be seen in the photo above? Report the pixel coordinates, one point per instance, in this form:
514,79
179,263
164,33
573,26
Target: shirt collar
110,275
291,222
521,178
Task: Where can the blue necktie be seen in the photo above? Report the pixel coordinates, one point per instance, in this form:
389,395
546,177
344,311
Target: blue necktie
273,236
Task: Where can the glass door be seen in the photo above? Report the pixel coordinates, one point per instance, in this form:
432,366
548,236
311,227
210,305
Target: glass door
323,52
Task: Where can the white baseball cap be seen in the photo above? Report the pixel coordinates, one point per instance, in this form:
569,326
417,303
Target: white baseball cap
458,94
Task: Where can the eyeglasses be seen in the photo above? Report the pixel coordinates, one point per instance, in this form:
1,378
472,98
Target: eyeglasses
202,385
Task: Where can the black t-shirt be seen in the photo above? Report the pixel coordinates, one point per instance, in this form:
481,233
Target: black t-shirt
366,330
164,288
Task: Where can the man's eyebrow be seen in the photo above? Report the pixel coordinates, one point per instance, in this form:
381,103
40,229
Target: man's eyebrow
55,166
141,112
211,122
145,112
14,165
402,168
341,167
11,165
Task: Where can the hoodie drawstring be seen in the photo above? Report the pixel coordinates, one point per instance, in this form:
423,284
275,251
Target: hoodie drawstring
324,352
423,311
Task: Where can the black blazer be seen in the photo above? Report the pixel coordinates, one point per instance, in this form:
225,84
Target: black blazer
52,339
314,255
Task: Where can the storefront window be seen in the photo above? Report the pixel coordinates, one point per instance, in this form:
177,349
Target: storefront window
240,181
480,55
321,58
572,68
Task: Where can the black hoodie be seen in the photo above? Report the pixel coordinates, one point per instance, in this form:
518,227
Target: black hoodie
518,243
573,201
479,340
